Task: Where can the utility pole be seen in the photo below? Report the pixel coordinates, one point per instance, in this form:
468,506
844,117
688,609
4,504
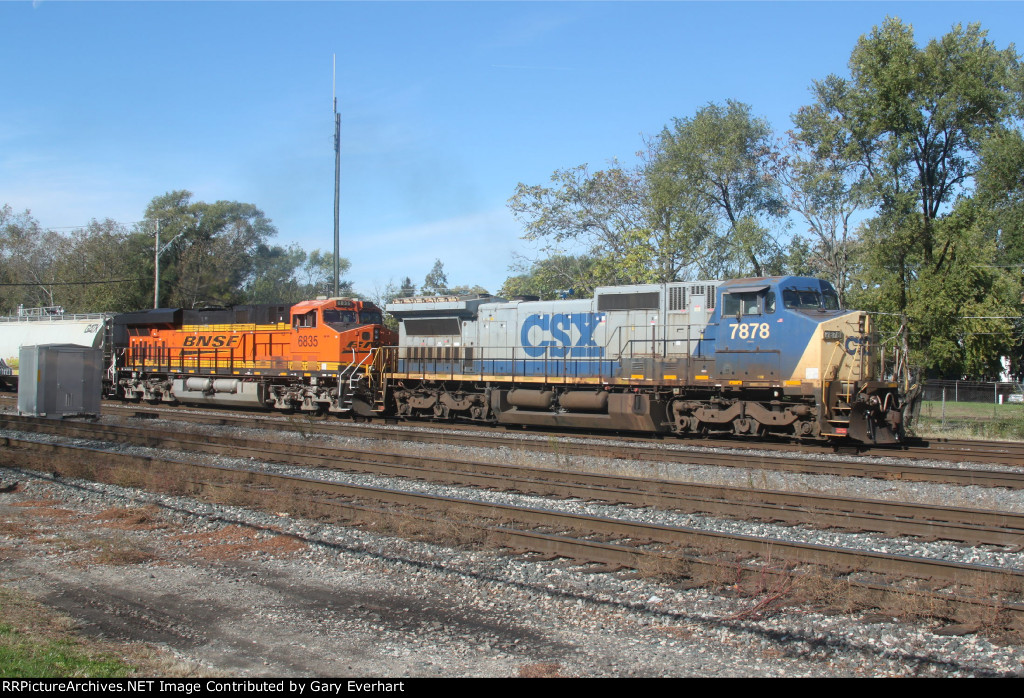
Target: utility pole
337,179
157,251
156,267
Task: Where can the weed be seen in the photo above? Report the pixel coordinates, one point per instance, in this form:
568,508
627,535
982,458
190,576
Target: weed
118,551
541,670
130,518
663,568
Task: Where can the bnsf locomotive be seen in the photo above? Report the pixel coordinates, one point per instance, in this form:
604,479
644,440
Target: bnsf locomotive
753,356
313,356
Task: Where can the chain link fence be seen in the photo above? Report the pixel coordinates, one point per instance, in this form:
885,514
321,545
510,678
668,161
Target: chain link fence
993,393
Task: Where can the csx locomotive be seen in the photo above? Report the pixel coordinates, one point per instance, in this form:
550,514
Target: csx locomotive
755,356
313,356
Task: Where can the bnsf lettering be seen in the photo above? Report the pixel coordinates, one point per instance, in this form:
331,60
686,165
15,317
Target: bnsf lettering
559,326
307,340
216,340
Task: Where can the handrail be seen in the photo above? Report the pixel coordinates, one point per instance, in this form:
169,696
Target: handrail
54,318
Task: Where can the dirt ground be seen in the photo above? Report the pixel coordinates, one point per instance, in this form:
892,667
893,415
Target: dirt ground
214,590
231,600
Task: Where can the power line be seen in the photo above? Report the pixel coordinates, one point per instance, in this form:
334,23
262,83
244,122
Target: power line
957,317
80,227
72,283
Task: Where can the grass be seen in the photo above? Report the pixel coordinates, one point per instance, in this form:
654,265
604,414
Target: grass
22,656
976,420
38,643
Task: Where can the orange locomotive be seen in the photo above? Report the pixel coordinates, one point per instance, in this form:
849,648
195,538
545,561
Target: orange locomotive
313,356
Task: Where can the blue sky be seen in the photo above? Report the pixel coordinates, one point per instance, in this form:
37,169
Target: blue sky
445,106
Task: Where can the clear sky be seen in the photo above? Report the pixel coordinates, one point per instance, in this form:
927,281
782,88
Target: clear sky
445,106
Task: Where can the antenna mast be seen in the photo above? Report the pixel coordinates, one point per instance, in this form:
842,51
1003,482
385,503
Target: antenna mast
337,177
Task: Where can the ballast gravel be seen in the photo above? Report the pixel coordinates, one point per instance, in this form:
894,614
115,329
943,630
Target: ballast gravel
232,591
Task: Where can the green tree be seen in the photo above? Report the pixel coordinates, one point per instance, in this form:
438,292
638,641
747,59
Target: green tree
28,254
1000,198
602,214
558,276
318,275
103,261
821,187
436,281
273,277
213,248
913,122
720,166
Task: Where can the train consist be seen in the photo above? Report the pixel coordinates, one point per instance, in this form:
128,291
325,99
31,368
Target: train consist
753,356
749,357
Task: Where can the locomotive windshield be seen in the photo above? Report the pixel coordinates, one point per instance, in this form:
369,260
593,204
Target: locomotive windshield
371,317
339,317
823,297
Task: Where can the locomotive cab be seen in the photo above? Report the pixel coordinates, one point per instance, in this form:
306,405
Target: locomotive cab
789,339
336,330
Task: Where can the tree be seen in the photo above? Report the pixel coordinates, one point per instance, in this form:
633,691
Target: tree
602,214
558,276
273,277
436,281
912,121
212,250
318,273
27,258
720,166
1000,198
406,290
103,262
1000,191
821,186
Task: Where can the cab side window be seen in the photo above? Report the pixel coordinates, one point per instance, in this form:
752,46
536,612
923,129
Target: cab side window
740,303
730,305
750,304
306,320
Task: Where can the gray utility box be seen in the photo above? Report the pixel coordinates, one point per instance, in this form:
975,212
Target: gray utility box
60,380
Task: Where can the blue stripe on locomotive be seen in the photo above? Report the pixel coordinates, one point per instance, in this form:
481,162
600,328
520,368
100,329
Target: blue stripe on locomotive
556,368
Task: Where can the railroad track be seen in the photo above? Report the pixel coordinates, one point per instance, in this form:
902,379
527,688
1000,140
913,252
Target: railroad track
623,543
1008,453
724,455
972,526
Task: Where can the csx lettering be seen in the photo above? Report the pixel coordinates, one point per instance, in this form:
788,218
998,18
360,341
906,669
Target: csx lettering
856,341
216,340
307,340
559,327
